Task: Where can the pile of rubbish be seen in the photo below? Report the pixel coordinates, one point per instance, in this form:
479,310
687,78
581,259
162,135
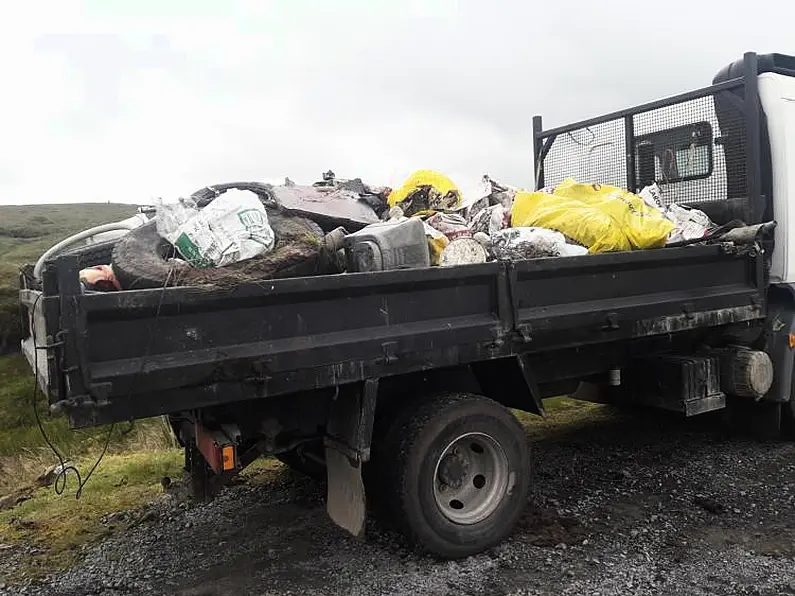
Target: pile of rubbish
246,231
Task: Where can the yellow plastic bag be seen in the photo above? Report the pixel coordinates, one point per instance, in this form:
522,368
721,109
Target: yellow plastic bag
437,242
643,225
580,222
425,191
602,218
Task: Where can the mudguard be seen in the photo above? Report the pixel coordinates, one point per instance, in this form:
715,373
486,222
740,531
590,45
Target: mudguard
780,345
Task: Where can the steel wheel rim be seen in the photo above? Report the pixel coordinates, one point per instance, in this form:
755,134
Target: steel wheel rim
470,478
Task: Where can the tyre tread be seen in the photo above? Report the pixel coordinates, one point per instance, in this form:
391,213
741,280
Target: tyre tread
397,448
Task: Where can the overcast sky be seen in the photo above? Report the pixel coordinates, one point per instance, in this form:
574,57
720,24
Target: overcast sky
125,101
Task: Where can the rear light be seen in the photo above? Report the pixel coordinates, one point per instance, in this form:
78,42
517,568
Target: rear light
217,448
228,458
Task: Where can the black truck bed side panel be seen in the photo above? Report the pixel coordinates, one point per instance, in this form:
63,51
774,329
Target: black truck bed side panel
319,331
142,353
599,298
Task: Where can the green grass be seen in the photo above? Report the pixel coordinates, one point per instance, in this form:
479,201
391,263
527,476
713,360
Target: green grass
24,454
128,477
26,231
57,525
564,415
138,456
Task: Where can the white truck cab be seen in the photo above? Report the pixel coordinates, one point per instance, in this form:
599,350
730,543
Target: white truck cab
696,147
777,95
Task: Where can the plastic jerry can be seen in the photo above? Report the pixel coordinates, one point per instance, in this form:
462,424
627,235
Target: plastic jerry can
388,245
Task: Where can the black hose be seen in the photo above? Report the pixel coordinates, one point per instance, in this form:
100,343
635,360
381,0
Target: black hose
713,235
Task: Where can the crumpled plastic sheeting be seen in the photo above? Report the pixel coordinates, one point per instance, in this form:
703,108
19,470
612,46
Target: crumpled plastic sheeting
425,191
495,194
690,223
451,225
490,220
519,244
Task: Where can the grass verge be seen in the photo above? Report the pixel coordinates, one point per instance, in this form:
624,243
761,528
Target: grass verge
564,415
56,526
24,454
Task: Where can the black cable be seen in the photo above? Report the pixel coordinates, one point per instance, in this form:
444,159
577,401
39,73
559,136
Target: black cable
581,143
60,481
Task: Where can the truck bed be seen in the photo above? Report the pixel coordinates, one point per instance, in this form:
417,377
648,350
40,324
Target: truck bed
115,356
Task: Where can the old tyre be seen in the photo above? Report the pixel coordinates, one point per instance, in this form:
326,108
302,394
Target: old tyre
208,194
455,474
141,258
99,253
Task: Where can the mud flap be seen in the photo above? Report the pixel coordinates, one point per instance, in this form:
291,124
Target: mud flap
349,432
781,349
345,503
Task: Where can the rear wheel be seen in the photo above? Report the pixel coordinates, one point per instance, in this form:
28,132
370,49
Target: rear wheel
455,474
762,421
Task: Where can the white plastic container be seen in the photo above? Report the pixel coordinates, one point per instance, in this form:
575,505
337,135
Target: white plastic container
398,244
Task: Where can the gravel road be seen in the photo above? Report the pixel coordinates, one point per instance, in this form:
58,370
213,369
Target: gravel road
619,506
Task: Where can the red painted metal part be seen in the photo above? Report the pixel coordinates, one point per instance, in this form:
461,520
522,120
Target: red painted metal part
217,449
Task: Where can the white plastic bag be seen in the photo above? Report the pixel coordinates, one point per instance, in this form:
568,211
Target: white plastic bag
234,227
518,244
652,196
690,223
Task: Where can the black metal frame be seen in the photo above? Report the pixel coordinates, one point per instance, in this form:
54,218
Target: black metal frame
543,139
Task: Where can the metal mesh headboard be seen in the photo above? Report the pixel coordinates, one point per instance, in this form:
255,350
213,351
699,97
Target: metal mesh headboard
694,146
